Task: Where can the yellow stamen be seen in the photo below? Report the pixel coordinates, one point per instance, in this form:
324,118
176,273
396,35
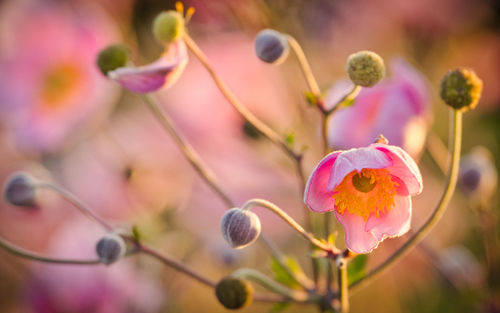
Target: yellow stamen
370,191
179,7
59,83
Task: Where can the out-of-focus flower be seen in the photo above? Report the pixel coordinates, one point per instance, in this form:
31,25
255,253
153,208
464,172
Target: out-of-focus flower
397,107
461,267
49,83
478,176
97,289
369,190
162,73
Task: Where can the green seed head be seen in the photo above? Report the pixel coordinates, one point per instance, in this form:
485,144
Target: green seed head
365,68
234,293
461,89
168,27
112,57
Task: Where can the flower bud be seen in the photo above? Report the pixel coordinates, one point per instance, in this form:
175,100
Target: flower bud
271,46
233,293
20,190
168,27
461,89
365,68
112,57
478,175
240,228
110,248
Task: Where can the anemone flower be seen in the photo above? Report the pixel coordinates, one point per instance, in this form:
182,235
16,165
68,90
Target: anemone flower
369,191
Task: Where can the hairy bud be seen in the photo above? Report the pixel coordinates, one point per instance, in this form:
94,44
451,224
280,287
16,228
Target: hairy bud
233,293
271,46
365,68
168,27
112,57
110,248
20,190
461,89
240,228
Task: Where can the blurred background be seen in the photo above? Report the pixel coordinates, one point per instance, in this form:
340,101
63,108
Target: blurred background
64,122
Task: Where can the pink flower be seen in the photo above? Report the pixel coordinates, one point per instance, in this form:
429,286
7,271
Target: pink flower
49,84
162,73
398,107
369,190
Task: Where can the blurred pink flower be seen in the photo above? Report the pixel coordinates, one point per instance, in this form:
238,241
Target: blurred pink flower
369,190
398,107
162,73
49,84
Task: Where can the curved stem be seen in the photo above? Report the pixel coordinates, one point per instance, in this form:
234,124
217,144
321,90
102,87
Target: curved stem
341,263
350,95
436,215
304,65
244,112
20,252
71,198
271,285
188,151
274,208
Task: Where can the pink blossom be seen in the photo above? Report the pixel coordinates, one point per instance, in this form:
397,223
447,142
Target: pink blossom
369,190
49,83
397,107
160,74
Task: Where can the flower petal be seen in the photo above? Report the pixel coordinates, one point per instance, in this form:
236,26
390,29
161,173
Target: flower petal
159,74
403,167
357,239
394,223
316,195
357,159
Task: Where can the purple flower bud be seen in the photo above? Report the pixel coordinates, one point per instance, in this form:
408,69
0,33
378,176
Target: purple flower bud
20,190
240,228
478,175
271,46
110,248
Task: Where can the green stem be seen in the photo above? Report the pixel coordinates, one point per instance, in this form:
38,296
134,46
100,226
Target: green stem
274,208
341,263
242,110
351,94
188,151
436,215
271,285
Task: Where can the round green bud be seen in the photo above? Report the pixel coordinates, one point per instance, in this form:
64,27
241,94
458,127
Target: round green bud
168,27
233,293
110,248
461,89
20,190
112,57
240,228
365,68
271,46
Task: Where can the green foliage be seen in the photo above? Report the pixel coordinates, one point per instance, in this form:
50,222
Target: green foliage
278,307
281,275
356,268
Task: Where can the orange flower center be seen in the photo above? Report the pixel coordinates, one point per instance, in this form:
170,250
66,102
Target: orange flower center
58,84
370,191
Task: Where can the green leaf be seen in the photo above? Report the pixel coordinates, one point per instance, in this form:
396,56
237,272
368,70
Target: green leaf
290,138
278,307
281,275
136,233
356,268
331,239
311,98
347,102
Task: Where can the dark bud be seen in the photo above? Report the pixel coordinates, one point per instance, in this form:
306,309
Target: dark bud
234,293
112,57
240,228
20,190
110,248
271,46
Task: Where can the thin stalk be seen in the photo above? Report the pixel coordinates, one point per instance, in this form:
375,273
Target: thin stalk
188,151
436,215
242,110
343,284
351,94
272,285
274,208
71,198
20,252
304,65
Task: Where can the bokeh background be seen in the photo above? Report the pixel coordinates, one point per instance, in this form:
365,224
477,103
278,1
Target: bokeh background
63,121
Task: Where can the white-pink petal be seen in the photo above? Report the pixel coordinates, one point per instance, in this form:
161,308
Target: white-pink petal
396,222
160,74
357,159
357,239
317,196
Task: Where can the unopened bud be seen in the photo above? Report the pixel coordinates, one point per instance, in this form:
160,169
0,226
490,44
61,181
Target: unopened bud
168,27
112,57
478,175
365,68
461,89
233,293
20,190
271,46
240,228
110,248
